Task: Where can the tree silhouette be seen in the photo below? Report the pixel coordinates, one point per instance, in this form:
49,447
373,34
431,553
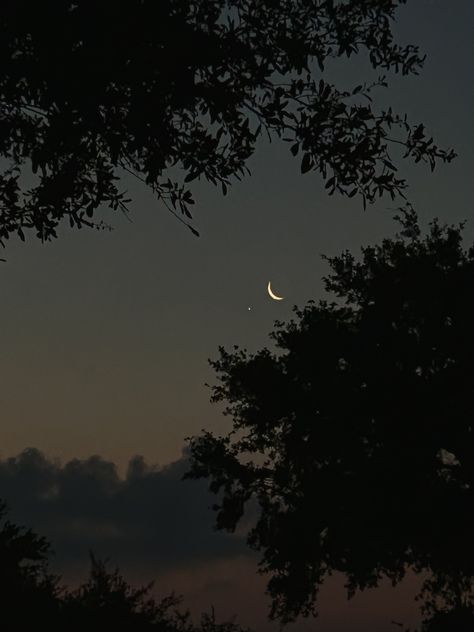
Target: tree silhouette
355,435
90,91
107,601
30,595
24,577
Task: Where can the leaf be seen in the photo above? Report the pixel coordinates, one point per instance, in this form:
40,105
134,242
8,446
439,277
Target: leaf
306,163
186,212
388,164
295,148
191,176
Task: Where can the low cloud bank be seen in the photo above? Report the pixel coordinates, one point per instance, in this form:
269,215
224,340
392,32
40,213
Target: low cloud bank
150,521
153,525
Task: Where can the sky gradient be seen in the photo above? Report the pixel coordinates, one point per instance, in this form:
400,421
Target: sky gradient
106,335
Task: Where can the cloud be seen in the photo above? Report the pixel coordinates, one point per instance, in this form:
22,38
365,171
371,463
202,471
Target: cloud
154,526
151,520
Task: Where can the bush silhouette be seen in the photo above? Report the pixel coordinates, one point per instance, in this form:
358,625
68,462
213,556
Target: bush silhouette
30,595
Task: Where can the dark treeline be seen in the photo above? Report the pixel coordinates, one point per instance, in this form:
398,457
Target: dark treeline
30,594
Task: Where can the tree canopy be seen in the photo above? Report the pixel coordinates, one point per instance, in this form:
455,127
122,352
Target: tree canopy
107,601
354,436
30,595
90,91
25,577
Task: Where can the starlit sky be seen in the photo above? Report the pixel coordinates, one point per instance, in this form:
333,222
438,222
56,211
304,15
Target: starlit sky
106,335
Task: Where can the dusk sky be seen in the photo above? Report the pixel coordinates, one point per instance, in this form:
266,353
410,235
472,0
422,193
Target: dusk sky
106,335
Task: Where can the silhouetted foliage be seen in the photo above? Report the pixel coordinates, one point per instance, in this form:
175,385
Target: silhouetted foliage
107,601
460,619
355,436
448,602
24,577
92,90
30,595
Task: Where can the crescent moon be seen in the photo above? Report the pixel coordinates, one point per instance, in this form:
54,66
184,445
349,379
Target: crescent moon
272,294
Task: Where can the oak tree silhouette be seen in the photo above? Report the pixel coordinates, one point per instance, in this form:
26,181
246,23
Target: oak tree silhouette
354,436
90,91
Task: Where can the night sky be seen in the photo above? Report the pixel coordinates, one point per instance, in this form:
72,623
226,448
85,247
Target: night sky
106,336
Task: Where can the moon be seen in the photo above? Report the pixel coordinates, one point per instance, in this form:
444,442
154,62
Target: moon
272,294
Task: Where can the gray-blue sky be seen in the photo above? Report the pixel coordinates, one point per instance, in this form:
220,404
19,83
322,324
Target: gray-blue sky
106,335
